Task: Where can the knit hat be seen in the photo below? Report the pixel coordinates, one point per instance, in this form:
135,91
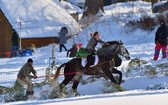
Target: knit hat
30,60
162,22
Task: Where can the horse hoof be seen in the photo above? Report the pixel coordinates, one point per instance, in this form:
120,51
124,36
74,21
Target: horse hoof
119,87
62,87
75,92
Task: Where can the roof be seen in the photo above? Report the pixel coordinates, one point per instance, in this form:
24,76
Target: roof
70,8
38,18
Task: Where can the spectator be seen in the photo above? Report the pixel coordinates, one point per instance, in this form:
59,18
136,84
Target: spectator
161,36
24,76
63,38
15,43
72,51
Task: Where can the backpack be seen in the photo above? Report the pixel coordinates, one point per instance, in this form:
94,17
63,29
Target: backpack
82,53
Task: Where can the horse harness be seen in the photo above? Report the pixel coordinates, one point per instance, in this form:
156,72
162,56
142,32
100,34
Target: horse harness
111,61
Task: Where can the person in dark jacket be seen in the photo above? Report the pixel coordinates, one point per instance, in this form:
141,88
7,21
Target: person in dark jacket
72,51
161,36
95,39
24,76
15,43
63,38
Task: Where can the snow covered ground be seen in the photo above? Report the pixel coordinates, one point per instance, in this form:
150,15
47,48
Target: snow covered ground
140,45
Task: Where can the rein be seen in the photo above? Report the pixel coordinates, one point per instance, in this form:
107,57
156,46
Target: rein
52,75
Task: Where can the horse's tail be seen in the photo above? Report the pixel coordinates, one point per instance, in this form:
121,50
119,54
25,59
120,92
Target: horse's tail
58,71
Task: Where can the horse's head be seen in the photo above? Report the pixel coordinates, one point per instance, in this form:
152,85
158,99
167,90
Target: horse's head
124,52
120,49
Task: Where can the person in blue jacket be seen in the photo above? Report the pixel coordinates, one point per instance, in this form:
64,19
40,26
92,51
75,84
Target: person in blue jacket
63,38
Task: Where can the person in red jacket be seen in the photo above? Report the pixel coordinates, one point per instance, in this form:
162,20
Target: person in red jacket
161,36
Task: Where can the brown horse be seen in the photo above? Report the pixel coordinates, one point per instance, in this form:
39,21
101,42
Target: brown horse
108,60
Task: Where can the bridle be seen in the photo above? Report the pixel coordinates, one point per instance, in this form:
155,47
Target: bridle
122,53
125,52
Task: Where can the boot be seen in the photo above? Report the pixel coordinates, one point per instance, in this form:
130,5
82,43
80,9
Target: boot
85,69
32,93
28,93
62,87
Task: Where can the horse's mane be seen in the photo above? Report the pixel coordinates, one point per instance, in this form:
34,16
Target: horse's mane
115,42
108,50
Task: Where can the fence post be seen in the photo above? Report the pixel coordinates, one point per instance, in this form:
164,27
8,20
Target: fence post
20,42
52,53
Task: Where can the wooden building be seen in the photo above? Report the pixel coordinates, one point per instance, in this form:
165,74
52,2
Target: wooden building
6,35
38,42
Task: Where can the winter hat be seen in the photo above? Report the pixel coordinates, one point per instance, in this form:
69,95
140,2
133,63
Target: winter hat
30,60
162,22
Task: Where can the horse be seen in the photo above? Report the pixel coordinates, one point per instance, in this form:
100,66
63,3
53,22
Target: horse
108,60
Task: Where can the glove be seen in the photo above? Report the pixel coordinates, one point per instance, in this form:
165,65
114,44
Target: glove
31,76
35,76
106,44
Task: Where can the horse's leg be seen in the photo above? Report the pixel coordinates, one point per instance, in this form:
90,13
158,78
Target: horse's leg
120,79
120,74
66,80
106,70
77,79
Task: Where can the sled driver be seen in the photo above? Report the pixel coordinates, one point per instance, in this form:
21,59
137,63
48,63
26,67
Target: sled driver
24,76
